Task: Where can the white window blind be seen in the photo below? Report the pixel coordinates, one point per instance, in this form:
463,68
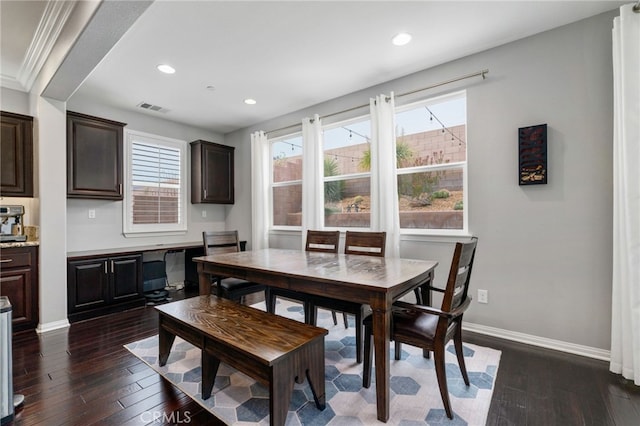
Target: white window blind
155,184
155,198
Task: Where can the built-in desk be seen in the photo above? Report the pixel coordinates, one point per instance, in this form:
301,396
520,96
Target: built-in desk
111,280
135,249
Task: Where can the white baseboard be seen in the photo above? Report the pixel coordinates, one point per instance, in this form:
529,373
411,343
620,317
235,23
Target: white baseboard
50,326
543,342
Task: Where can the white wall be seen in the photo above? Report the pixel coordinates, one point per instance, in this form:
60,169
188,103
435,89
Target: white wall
544,251
105,231
18,102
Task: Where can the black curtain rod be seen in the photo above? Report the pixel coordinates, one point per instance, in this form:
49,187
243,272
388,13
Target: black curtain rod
442,83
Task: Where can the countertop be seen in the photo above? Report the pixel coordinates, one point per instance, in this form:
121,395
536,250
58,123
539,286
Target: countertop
19,244
135,249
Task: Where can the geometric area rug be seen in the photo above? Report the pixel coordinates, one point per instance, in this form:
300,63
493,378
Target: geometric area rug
415,396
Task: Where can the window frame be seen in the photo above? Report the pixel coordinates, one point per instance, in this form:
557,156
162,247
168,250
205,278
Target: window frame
349,176
458,165
282,184
129,229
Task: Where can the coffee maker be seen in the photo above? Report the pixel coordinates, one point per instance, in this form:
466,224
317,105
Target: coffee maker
11,224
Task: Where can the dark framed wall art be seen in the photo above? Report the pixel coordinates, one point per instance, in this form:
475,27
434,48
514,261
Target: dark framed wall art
532,155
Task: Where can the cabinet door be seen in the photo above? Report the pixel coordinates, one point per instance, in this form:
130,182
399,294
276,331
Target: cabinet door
94,157
16,170
212,177
19,282
16,285
126,277
87,284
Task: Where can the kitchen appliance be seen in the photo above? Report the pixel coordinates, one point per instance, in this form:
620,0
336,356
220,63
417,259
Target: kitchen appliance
6,363
11,224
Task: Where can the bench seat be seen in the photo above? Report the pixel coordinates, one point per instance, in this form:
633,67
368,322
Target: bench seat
273,350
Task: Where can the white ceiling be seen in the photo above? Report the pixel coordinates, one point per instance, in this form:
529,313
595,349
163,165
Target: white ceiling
287,55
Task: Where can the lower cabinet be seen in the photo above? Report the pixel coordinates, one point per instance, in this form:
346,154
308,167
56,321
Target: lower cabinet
100,285
19,282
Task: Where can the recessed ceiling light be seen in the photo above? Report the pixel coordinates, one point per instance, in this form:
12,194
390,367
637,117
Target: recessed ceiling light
250,101
401,39
167,69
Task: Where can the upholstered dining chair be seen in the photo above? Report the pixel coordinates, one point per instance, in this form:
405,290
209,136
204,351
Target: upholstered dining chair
362,243
319,241
431,328
220,242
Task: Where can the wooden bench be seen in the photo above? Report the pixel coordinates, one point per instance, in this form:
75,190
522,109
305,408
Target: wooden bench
274,350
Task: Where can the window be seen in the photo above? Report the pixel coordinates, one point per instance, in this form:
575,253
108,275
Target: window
347,182
155,190
431,167
431,160
286,181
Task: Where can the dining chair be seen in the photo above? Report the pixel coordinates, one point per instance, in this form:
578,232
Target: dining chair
431,328
318,241
221,242
362,243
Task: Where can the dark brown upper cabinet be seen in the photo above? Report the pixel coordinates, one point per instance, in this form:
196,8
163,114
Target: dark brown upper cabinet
94,157
16,169
211,173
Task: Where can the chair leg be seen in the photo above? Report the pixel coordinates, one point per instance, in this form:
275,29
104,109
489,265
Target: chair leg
398,350
309,309
335,318
270,301
457,341
441,374
419,300
345,320
366,368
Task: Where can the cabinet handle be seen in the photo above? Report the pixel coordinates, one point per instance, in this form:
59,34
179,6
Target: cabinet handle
105,267
112,266
6,260
205,193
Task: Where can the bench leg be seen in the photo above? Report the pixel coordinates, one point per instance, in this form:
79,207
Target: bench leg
210,365
315,373
280,389
165,341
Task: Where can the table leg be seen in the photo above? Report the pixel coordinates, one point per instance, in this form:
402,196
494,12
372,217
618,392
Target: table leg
204,281
165,341
381,339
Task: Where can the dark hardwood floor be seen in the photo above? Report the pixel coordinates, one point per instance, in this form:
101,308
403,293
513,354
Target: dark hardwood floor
83,376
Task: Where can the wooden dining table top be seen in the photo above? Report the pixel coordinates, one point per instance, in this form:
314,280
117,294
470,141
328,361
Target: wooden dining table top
366,273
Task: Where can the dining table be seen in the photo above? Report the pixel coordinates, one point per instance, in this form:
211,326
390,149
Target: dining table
376,281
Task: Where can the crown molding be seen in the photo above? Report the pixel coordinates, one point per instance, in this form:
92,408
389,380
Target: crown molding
53,20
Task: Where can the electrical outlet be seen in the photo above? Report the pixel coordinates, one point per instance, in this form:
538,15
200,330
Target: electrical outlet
204,213
483,296
92,214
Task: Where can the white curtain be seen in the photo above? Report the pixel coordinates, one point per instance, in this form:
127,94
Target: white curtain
384,184
259,191
625,323
312,173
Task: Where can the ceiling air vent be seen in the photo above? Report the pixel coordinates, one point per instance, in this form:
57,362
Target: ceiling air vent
145,105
